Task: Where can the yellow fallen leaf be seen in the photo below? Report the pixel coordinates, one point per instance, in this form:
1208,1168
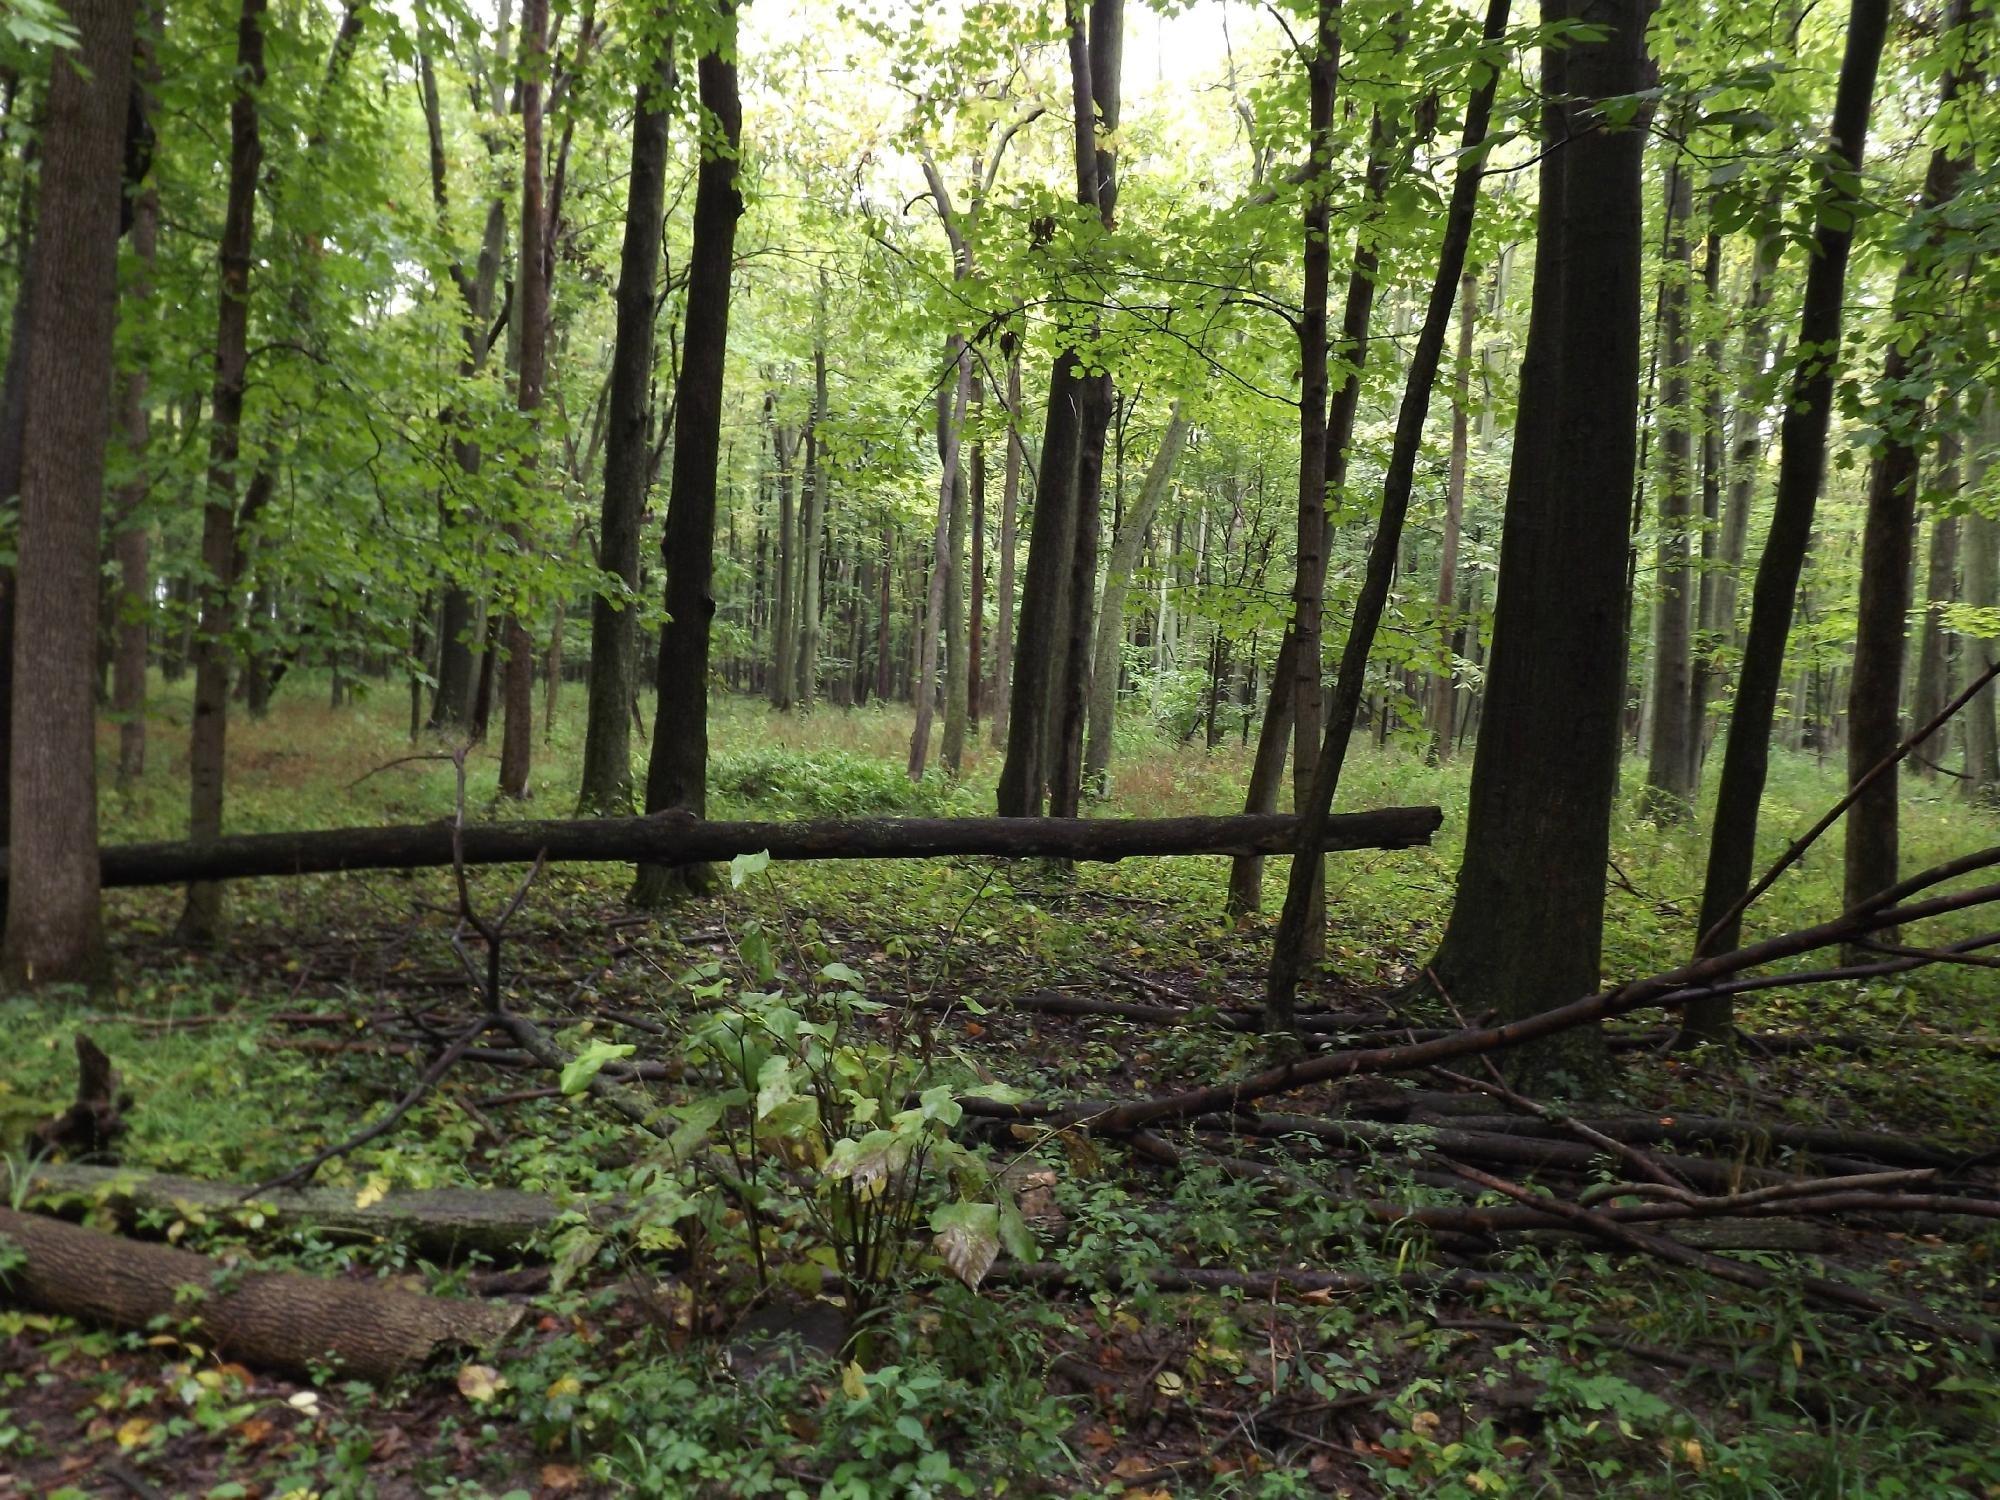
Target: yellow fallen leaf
1691,1451
373,1191
480,1383
1169,1384
1425,1423
852,1386
134,1431
569,1385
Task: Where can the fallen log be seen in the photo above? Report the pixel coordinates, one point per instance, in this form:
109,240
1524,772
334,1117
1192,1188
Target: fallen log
278,1320
676,838
443,1222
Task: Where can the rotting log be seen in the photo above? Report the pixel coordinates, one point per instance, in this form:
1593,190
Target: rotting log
277,1320
677,838
437,1221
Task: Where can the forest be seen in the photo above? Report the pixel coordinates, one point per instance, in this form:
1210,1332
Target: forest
873,749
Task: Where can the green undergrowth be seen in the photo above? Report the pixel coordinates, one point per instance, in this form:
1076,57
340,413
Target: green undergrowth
630,1377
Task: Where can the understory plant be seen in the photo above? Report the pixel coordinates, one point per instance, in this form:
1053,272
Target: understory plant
824,1138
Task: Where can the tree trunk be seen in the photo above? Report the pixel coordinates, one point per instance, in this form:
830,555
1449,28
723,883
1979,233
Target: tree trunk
1035,705
1875,693
677,774
1933,684
784,623
1357,314
1603,178
1982,591
1314,529
1802,462
1704,671
54,923
1010,500
957,678
812,516
1126,541
531,295
614,627
277,1320
1444,686
133,546
975,612
1668,796
952,397
682,838
201,917
1746,433
1545,766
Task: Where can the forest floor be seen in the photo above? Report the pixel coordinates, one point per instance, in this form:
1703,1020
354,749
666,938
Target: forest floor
1551,1363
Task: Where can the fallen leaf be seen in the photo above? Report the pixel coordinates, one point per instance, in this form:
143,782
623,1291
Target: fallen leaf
134,1431
255,1430
1099,1440
852,1386
1425,1424
560,1477
373,1191
480,1383
1132,1465
1169,1384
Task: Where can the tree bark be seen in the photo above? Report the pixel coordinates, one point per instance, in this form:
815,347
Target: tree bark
1982,591
1668,796
1704,669
1302,916
812,515
953,394
1802,463
677,774
271,1319
614,626
1126,541
1444,688
1010,501
531,294
957,679
1036,702
1888,540
784,620
975,609
201,917
54,922
1933,681
133,545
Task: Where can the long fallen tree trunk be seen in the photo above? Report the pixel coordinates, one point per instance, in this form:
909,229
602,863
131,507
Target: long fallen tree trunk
278,1320
675,838
437,1221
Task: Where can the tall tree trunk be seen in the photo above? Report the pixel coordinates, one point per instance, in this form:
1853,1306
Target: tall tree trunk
460,630
133,547
1875,693
952,398
531,293
812,515
1267,777
201,917
614,625
1933,677
1668,796
1802,462
882,615
1003,584
1711,630
1596,70
1126,541
1444,686
1746,433
1036,701
957,684
677,774
784,624
1071,690
1357,315
54,922
975,610
1982,591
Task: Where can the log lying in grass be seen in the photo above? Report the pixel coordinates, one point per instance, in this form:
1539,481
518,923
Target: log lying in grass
676,838
438,1221
278,1320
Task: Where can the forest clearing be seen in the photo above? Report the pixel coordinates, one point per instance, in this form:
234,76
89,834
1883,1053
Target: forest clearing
1023,748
